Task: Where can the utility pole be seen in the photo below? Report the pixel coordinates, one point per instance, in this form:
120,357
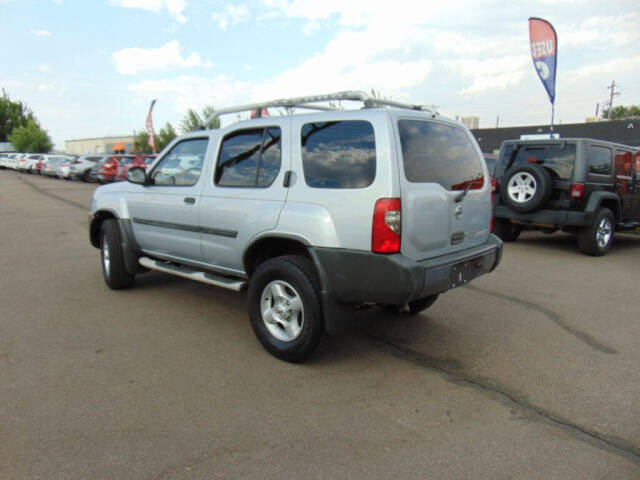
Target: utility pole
613,93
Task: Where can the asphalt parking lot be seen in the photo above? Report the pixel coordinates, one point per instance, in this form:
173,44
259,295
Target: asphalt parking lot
531,372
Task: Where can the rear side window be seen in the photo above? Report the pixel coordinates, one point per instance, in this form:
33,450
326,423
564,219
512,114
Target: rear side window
599,160
437,153
249,158
339,154
559,159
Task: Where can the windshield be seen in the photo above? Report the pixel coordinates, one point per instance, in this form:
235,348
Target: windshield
439,153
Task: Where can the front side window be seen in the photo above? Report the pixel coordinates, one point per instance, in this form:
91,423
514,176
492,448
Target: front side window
182,165
339,154
249,158
433,152
599,160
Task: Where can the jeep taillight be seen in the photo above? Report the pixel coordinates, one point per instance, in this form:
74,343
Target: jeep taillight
577,190
387,226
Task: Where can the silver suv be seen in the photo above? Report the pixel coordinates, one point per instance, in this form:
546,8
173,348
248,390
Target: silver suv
314,213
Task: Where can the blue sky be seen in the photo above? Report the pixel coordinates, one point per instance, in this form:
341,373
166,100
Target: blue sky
90,67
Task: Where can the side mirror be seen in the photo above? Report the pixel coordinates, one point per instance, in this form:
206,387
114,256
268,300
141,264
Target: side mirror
137,175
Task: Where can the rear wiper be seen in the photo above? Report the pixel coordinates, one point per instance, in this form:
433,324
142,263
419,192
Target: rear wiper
461,196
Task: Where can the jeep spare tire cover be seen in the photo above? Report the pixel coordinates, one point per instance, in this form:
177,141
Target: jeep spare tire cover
525,188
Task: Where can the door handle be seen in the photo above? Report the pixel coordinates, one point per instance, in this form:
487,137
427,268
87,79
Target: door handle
189,200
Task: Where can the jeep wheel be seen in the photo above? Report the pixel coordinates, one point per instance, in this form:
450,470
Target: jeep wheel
525,188
415,307
505,230
114,271
284,307
597,239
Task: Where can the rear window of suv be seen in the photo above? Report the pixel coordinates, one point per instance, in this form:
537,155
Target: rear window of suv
558,158
438,153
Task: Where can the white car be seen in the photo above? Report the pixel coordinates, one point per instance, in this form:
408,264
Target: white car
27,163
80,168
11,160
62,169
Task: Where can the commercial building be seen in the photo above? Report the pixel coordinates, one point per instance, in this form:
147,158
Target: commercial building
119,144
626,132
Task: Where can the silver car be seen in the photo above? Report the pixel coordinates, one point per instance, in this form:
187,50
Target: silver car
313,213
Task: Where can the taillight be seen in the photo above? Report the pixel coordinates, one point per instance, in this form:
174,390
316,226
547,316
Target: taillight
494,185
577,190
387,226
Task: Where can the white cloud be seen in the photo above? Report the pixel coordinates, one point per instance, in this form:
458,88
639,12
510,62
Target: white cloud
131,61
175,8
58,2
44,67
40,33
231,15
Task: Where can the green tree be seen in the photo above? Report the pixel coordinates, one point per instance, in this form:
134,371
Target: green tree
30,138
195,121
141,142
163,138
12,115
621,112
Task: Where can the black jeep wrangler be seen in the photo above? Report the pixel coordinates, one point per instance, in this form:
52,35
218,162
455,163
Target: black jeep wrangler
590,188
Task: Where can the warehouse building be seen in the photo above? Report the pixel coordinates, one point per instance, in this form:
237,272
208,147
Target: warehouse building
626,132
120,144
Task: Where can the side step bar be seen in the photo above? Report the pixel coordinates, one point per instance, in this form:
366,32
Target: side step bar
198,275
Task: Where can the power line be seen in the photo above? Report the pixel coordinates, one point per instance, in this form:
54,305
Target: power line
613,93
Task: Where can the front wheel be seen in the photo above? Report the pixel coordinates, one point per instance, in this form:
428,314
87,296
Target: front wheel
114,270
597,239
284,307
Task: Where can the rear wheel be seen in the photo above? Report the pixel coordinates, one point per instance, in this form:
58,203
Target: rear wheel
284,307
114,270
505,230
525,188
597,239
86,176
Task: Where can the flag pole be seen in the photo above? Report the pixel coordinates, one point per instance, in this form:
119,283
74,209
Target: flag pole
553,108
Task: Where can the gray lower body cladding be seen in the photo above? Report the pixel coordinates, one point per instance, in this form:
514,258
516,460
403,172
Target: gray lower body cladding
354,276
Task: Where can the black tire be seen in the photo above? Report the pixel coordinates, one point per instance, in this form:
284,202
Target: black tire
114,270
86,176
299,273
539,189
415,306
590,239
505,230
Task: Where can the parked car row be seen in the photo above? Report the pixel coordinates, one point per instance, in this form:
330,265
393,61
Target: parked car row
88,168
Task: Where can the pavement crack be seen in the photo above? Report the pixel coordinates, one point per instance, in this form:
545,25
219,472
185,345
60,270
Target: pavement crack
609,443
554,317
49,194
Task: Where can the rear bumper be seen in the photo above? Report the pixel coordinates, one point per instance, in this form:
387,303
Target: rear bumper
546,217
354,276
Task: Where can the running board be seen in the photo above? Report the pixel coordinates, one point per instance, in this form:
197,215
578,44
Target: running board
198,275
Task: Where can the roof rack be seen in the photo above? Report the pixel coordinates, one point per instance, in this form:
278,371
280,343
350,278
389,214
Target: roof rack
311,103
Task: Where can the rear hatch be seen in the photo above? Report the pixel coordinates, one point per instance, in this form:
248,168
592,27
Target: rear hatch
440,161
557,157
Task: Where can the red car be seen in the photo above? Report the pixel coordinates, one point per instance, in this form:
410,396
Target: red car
109,168
136,161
